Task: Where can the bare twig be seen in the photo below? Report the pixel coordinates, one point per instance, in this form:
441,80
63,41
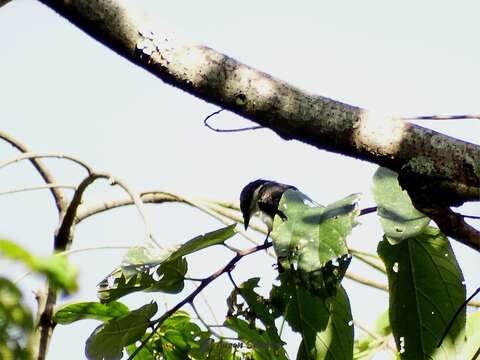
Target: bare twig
443,117
205,122
41,169
383,339
205,282
365,281
29,156
459,310
40,187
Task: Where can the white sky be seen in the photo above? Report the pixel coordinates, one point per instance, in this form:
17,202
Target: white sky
62,92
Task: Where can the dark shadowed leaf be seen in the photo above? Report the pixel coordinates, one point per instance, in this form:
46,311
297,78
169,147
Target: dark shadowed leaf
265,344
167,277
89,310
325,325
426,289
108,340
178,338
399,219
312,240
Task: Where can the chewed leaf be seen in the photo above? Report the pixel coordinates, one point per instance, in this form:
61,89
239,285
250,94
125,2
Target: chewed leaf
312,239
399,219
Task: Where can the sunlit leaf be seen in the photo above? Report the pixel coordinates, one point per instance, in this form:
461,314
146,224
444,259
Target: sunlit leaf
108,340
399,219
312,240
426,289
472,345
325,325
89,310
203,241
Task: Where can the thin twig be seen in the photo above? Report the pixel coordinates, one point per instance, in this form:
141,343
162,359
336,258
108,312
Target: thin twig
137,201
366,281
41,169
443,117
205,122
227,268
370,333
30,156
208,327
459,310
39,187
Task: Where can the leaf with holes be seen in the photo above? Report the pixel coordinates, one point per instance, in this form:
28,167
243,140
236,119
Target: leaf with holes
426,289
399,219
312,239
108,340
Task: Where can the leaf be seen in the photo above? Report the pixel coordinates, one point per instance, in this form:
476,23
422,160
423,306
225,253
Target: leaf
58,271
167,277
324,324
426,289
399,219
178,338
312,240
203,241
89,310
108,340
473,336
16,322
266,344
150,269
260,343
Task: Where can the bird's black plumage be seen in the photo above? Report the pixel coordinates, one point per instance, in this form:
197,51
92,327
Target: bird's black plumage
262,196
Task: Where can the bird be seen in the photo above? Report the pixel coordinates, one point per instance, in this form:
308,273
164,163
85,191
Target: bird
262,197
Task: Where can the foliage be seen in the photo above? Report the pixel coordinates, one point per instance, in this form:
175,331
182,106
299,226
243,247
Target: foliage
16,322
58,271
426,289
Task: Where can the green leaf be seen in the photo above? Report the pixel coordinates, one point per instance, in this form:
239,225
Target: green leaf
203,241
108,340
150,269
58,271
260,343
473,336
178,338
265,343
89,310
167,277
399,219
312,240
325,325
16,322
426,289
382,325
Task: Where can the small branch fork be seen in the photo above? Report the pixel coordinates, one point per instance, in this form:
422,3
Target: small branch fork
203,284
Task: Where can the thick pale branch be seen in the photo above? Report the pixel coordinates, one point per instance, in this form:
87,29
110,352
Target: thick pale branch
445,165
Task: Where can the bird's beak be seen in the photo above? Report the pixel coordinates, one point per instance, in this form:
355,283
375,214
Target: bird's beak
245,222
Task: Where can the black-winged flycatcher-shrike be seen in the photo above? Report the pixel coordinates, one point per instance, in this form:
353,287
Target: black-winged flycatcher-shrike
262,197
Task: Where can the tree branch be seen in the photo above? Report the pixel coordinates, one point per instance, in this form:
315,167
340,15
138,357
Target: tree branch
447,168
41,169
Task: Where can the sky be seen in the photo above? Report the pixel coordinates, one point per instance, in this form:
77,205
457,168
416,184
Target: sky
62,92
